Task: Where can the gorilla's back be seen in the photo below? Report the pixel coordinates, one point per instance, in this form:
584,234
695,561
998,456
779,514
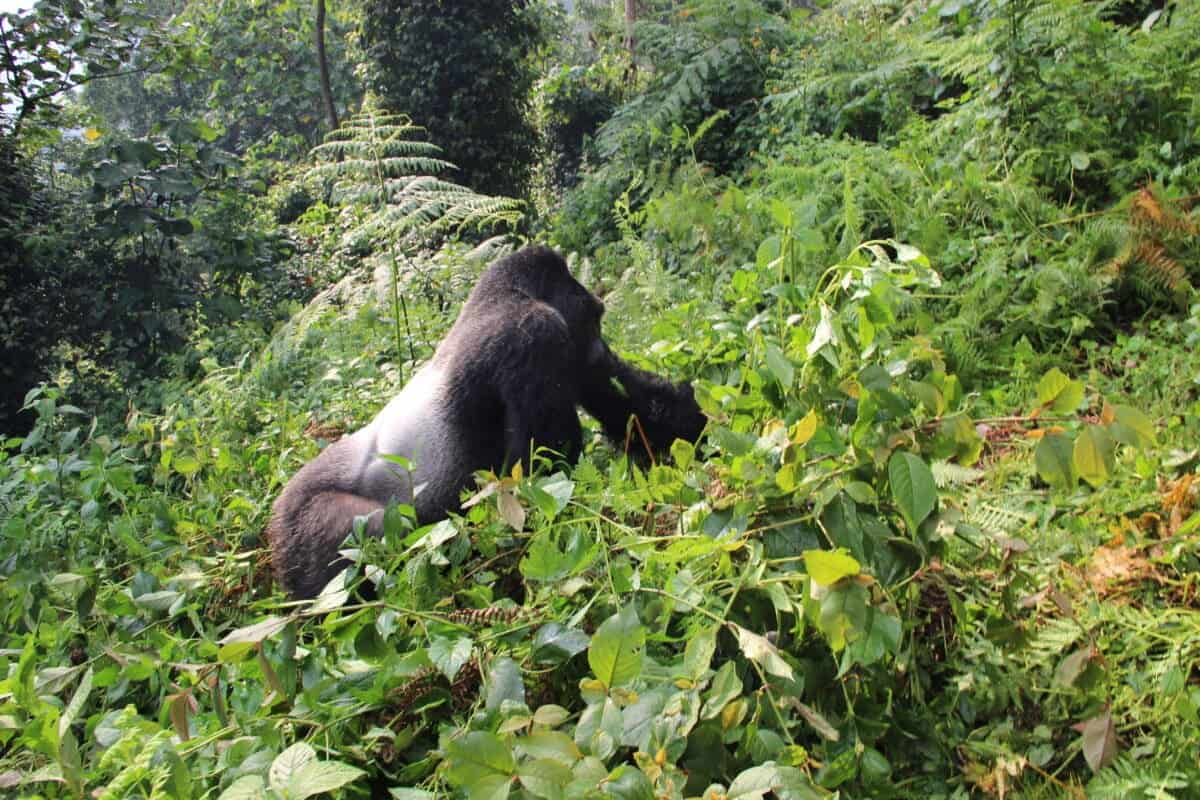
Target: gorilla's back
411,426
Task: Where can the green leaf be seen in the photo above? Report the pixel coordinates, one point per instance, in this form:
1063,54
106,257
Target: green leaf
504,683
239,643
554,643
478,755
318,777
699,651
247,787
1144,435
726,686
288,763
1054,461
913,488
843,615
683,453
615,655
780,367
449,655
553,745
768,252
754,783
628,783
828,567
544,777
1059,392
1093,455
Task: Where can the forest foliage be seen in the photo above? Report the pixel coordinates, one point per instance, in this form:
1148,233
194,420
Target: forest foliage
931,267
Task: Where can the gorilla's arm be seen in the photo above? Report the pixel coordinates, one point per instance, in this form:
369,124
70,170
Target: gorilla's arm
539,389
614,391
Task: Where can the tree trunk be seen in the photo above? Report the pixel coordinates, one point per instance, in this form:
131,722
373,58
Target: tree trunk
630,43
323,65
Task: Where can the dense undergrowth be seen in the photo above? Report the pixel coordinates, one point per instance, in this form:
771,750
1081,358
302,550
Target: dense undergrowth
931,269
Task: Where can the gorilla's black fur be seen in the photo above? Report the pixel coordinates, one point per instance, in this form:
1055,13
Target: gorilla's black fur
523,353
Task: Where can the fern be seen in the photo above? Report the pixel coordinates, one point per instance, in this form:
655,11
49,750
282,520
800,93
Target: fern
947,474
998,519
374,161
375,164
1126,779
1156,256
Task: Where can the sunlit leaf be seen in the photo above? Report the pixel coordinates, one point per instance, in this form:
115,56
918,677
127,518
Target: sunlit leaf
828,567
1093,454
615,655
913,487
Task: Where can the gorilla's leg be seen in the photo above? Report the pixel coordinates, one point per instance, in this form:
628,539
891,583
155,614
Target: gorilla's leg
306,538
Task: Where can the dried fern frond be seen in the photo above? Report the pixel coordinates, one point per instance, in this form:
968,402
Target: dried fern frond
1158,247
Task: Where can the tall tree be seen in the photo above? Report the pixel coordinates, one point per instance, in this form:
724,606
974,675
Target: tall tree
463,71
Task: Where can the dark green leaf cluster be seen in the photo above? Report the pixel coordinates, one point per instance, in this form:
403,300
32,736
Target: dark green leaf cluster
462,71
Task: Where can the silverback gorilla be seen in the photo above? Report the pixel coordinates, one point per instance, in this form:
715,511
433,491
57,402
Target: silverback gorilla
523,353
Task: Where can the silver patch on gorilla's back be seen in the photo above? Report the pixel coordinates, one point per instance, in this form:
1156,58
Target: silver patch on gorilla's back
405,427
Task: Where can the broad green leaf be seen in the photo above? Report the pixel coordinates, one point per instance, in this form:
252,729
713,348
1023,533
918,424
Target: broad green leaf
1059,392
288,763
698,654
550,715
768,252
504,683
780,367
554,644
754,783
478,755
553,745
1137,422
913,488
615,655
827,567
726,685
627,782
882,638
1093,455
449,655
1054,460
247,787
561,488
544,777
490,787
843,615
318,777
683,453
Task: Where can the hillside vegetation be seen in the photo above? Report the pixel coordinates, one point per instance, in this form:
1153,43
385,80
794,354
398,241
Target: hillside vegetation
931,267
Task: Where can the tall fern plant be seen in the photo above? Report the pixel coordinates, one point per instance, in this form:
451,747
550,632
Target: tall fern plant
375,162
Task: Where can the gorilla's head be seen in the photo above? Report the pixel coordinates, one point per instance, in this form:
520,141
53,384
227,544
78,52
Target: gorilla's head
540,273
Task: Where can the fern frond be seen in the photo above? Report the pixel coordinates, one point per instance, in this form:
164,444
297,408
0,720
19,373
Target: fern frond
998,519
947,474
374,162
